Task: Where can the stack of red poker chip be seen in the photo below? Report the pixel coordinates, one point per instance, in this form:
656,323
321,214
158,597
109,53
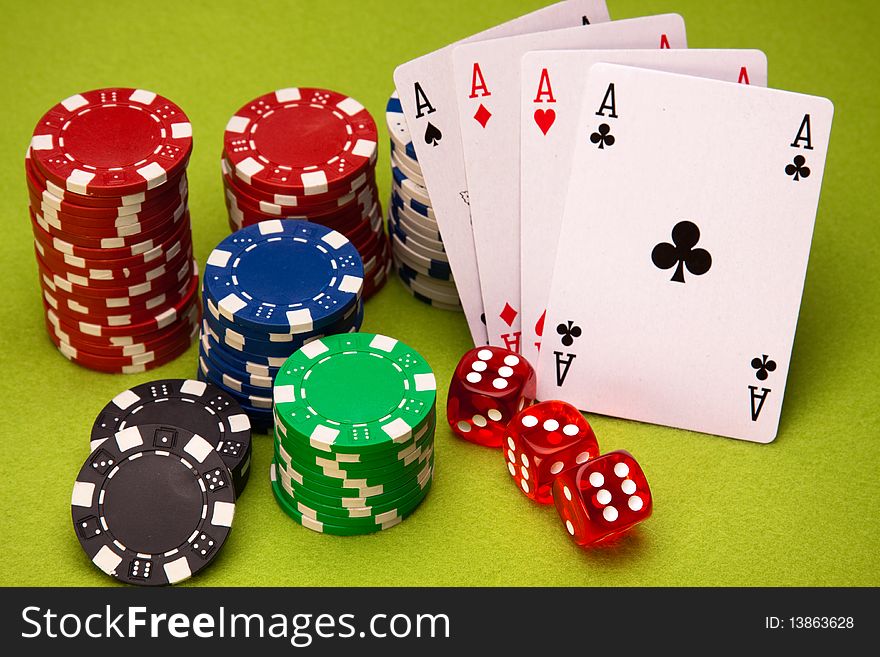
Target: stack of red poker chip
308,154
106,176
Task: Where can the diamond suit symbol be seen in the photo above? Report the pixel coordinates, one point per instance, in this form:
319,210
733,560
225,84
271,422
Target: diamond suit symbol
508,314
483,115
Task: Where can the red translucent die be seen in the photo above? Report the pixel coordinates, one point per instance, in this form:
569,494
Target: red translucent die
542,441
489,386
602,498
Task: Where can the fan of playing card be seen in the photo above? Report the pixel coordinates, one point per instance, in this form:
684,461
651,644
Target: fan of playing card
632,216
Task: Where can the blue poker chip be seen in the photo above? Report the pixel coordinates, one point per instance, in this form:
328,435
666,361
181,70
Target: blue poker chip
248,394
214,355
398,127
257,346
217,320
415,242
411,188
261,419
409,168
407,273
400,152
242,361
428,266
405,232
407,201
415,232
454,307
442,290
284,276
256,402
400,207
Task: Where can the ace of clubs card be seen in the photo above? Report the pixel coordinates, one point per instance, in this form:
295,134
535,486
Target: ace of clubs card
683,250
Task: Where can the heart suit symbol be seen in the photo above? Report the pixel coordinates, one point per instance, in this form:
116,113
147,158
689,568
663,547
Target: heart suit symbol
545,119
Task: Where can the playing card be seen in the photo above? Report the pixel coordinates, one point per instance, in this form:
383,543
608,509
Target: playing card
487,91
683,250
427,95
551,86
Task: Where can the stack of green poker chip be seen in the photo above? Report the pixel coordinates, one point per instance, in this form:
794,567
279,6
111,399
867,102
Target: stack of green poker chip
354,419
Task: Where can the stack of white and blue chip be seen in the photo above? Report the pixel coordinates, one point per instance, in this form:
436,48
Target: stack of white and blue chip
268,290
419,256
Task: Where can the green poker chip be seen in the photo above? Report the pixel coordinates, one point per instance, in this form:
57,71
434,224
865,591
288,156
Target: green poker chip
355,393
386,478
354,416
294,442
352,488
354,511
376,472
319,522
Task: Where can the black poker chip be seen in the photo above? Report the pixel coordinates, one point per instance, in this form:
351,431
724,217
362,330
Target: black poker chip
153,504
200,407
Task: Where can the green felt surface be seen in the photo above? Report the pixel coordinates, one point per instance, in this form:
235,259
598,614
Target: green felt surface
800,511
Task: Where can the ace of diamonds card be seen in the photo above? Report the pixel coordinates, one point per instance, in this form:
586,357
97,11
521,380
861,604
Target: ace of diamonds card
683,251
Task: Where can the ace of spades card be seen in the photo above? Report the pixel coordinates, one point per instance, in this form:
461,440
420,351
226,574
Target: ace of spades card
427,97
683,250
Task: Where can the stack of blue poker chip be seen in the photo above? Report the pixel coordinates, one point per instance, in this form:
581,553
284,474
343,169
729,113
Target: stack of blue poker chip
419,255
269,289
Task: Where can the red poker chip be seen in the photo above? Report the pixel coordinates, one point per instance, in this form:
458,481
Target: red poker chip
377,281
116,253
123,364
373,246
363,238
126,345
158,348
360,206
155,232
241,219
168,280
117,203
360,233
134,322
73,328
312,203
380,258
101,225
156,204
119,227
359,203
87,236
116,280
371,261
135,319
105,270
112,142
378,261
116,311
83,259
300,141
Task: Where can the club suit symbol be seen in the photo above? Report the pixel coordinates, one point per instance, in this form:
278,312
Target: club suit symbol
569,332
681,253
798,168
763,366
603,137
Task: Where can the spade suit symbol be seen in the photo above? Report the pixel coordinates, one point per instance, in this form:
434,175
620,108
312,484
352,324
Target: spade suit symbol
433,136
